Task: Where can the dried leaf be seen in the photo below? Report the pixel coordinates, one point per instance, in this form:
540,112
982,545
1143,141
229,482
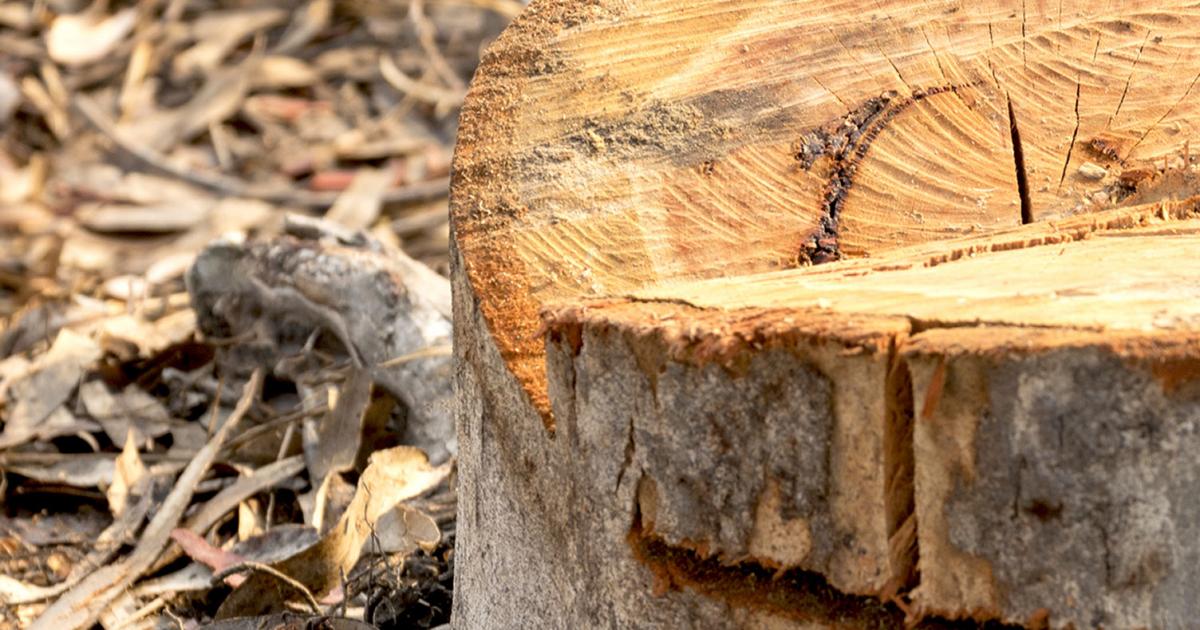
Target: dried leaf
359,206
227,499
137,95
10,97
145,338
402,529
126,287
11,369
218,33
83,38
121,531
393,476
129,476
201,551
355,63
277,71
324,505
133,412
239,215
174,216
287,109
81,605
308,23
249,523
219,98
65,528
171,267
280,542
16,15
50,383
145,189
23,184
83,470
334,444
382,142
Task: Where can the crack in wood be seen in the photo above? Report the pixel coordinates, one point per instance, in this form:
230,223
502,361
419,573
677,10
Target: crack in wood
1160,120
846,142
899,466
782,592
1024,37
1019,160
1074,135
1128,81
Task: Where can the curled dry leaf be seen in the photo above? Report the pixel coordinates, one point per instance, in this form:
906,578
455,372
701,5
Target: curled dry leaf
83,38
376,515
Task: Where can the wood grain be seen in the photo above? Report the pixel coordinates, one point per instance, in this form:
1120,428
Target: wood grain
611,146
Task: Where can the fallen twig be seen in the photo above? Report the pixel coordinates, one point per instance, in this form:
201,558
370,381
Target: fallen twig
82,605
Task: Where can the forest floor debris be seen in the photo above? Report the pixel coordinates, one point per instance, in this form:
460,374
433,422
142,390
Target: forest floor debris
155,473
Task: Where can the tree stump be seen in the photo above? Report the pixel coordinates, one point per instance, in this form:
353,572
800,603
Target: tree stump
805,314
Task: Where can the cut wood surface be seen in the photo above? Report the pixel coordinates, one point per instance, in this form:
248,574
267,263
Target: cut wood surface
830,313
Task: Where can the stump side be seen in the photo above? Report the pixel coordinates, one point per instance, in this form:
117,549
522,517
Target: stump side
1062,479
643,509
534,548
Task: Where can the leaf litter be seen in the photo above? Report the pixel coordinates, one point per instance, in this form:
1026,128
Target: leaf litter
181,447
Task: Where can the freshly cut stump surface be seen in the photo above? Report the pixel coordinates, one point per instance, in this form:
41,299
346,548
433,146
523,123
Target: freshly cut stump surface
830,314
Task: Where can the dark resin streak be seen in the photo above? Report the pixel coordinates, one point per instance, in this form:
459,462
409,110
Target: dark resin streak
846,144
